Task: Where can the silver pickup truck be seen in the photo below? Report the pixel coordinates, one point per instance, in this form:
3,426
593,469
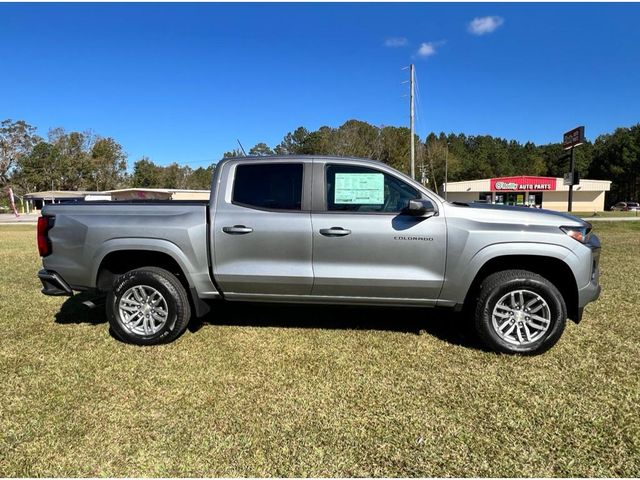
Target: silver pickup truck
322,230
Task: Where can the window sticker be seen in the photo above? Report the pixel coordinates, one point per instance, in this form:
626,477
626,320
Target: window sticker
359,188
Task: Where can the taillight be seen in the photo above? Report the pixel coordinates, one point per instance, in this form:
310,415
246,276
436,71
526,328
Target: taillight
44,244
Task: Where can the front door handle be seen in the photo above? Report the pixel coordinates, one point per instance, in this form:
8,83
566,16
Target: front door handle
237,230
334,232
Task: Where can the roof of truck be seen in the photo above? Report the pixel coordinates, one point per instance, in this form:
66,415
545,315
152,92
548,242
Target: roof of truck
299,157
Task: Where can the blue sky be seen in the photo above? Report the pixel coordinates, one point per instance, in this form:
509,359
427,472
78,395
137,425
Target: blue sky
180,82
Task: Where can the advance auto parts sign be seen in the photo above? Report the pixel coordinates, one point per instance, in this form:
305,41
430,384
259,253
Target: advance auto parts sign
532,184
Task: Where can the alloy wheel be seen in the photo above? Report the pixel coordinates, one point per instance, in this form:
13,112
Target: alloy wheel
521,317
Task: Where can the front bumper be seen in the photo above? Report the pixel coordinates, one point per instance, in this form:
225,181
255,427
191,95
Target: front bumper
53,284
588,294
591,291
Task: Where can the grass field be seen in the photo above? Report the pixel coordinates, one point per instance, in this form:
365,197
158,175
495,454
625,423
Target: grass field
607,213
298,391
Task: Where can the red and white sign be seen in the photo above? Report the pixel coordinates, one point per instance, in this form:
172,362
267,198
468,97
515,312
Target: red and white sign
523,183
12,202
573,138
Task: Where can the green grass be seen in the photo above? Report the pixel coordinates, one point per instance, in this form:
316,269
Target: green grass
608,213
297,391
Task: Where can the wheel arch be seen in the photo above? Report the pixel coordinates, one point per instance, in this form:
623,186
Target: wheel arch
119,258
117,262
552,268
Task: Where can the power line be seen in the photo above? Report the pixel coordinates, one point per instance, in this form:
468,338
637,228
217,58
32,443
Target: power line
419,106
195,162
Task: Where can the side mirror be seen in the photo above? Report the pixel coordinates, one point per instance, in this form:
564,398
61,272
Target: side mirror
419,207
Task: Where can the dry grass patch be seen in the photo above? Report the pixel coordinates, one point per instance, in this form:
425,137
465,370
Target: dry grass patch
310,391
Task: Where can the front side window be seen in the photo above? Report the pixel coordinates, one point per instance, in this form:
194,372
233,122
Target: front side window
362,189
269,186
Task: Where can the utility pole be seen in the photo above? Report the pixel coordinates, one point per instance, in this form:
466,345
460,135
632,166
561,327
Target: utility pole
413,147
446,171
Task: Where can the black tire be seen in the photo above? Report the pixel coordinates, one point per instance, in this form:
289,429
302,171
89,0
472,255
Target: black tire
178,310
494,288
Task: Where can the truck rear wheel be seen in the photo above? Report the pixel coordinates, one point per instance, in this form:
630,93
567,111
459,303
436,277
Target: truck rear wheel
519,312
148,306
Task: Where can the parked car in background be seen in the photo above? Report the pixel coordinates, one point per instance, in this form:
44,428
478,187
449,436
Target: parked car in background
626,207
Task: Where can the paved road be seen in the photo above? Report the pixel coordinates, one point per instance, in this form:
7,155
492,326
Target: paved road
11,219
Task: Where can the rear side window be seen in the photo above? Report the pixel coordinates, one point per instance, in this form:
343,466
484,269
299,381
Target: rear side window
269,186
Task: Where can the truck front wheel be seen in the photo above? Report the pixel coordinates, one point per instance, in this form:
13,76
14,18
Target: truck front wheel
148,306
519,312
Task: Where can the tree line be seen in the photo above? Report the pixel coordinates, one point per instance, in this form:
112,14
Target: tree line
82,161
614,156
86,161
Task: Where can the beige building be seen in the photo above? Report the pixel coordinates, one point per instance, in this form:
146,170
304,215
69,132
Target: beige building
158,194
36,200
540,192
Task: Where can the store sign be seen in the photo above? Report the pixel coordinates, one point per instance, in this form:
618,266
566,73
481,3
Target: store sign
570,179
523,183
573,138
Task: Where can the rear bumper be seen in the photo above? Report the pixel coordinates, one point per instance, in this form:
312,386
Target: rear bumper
53,284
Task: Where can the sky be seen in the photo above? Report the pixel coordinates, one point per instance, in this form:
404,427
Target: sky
181,82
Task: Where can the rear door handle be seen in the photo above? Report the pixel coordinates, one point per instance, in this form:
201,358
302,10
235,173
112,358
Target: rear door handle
334,232
237,230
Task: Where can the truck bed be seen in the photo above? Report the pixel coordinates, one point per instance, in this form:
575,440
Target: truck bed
86,233
142,201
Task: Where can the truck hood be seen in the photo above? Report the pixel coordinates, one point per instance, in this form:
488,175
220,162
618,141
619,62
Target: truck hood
521,214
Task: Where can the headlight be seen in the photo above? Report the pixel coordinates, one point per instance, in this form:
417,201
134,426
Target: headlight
581,234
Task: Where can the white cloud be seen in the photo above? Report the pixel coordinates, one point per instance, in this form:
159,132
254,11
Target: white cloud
427,49
484,25
396,42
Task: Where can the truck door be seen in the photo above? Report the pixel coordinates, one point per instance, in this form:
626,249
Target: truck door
261,230
364,246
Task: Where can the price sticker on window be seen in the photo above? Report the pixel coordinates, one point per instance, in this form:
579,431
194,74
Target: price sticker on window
359,188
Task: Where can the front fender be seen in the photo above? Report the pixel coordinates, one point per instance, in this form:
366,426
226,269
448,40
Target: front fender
463,269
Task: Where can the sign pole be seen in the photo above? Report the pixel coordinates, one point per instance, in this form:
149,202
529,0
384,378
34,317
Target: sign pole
572,170
570,140
446,172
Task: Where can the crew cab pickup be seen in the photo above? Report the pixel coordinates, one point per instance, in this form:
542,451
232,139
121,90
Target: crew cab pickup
322,230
